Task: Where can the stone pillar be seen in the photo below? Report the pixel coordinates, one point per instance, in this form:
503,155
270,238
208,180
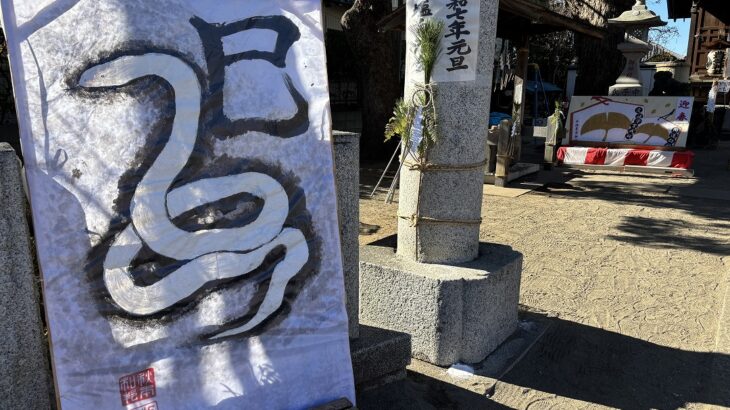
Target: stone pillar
455,297
347,181
25,373
463,110
378,355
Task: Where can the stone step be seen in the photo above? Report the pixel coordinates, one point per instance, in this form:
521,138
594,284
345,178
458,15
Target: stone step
379,356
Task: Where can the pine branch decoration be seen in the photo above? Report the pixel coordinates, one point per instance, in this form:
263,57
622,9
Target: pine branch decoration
428,49
428,43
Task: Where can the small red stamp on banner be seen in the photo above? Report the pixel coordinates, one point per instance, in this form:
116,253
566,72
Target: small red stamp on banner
148,406
137,387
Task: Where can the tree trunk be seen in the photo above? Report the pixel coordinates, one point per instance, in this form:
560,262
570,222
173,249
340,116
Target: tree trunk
378,72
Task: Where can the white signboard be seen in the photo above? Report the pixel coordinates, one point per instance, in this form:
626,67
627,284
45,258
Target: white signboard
180,170
416,132
460,42
630,121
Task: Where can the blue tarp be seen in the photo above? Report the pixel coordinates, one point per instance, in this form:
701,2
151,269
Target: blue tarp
496,117
547,87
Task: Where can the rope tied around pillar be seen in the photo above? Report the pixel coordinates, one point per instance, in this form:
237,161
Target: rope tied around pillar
424,166
416,220
424,93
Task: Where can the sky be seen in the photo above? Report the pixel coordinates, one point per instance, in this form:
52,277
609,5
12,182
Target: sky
679,43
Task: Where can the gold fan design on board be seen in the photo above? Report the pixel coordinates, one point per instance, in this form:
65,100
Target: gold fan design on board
653,130
606,121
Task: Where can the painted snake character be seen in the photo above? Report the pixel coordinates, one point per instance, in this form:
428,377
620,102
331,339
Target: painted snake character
209,254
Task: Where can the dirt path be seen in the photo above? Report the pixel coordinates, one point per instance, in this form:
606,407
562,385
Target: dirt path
633,271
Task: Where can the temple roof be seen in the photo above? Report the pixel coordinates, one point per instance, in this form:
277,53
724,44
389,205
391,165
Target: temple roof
516,18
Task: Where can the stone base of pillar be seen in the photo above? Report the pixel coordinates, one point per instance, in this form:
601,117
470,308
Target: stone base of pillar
379,356
454,313
626,90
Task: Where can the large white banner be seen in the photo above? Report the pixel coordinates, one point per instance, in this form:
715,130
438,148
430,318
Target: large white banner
180,170
460,39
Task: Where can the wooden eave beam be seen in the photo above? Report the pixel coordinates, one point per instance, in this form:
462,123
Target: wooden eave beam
543,16
546,19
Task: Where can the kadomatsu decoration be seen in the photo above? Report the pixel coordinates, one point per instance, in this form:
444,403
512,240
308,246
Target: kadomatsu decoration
416,121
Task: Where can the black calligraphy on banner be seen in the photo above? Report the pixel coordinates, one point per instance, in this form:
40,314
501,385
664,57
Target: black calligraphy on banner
162,255
423,9
456,33
212,35
459,41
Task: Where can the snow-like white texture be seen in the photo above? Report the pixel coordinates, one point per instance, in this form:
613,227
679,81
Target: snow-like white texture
78,145
266,94
460,371
27,10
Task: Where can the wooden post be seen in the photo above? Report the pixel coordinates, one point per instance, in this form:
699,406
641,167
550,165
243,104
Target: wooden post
555,133
518,104
505,150
492,142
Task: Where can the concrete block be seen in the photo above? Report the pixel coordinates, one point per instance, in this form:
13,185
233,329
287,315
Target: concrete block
516,171
25,373
454,313
379,356
347,181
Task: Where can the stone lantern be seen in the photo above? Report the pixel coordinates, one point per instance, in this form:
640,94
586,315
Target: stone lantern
636,23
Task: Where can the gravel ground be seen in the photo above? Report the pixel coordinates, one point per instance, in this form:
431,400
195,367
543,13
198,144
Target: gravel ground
632,271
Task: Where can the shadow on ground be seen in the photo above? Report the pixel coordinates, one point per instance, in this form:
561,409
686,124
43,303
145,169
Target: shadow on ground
610,369
419,392
652,232
669,234
583,363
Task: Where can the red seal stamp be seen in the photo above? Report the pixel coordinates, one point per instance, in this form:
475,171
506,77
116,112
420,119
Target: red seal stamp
148,406
137,387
